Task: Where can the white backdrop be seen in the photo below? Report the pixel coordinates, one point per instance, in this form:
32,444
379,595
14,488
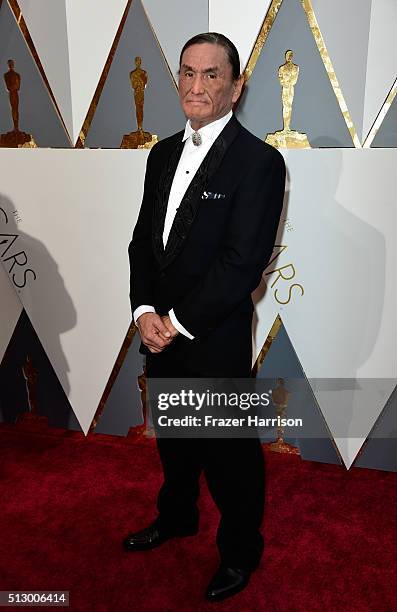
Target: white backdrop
77,210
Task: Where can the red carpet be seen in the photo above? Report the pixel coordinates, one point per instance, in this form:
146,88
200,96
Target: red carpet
67,502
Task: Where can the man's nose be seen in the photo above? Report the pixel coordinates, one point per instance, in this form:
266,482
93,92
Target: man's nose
197,84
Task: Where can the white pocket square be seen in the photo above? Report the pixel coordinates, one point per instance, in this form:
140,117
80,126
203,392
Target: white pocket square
211,195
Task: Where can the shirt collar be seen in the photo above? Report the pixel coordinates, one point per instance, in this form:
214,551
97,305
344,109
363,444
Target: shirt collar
210,131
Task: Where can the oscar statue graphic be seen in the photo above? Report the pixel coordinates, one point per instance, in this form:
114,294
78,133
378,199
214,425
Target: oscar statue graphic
286,138
146,429
15,138
280,399
138,139
30,375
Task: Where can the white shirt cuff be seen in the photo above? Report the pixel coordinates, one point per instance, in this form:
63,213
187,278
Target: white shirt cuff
140,311
178,326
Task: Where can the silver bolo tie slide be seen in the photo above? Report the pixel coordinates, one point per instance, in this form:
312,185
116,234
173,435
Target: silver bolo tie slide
196,138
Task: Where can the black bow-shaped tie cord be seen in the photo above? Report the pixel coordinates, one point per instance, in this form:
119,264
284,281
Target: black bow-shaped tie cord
197,140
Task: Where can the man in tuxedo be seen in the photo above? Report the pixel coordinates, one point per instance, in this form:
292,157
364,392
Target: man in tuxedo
212,200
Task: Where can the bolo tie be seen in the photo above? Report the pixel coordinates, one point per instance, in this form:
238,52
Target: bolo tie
196,138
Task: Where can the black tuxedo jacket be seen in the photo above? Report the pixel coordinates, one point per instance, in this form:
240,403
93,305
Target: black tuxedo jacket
220,242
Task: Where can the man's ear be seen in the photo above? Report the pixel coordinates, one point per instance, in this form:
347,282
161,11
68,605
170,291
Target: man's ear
238,85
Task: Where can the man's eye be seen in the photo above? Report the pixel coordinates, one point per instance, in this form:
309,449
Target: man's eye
188,74
211,76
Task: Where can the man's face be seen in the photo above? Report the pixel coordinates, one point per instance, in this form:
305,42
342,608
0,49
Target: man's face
207,90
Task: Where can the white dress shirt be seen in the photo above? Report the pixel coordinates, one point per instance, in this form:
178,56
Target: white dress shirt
189,162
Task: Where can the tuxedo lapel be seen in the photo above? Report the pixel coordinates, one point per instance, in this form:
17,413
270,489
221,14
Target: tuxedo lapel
191,200
162,195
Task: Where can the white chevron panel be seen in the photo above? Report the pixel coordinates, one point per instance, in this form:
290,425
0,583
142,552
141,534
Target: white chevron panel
382,58
341,252
240,22
92,26
345,29
174,22
343,246
46,22
77,210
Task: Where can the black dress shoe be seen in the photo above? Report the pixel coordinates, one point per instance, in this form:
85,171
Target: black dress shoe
153,536
227,582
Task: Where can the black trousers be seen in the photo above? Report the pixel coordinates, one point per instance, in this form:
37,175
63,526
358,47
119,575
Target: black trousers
234,472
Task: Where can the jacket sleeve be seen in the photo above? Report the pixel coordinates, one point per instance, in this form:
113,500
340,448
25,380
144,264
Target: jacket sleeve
140,248
246,249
